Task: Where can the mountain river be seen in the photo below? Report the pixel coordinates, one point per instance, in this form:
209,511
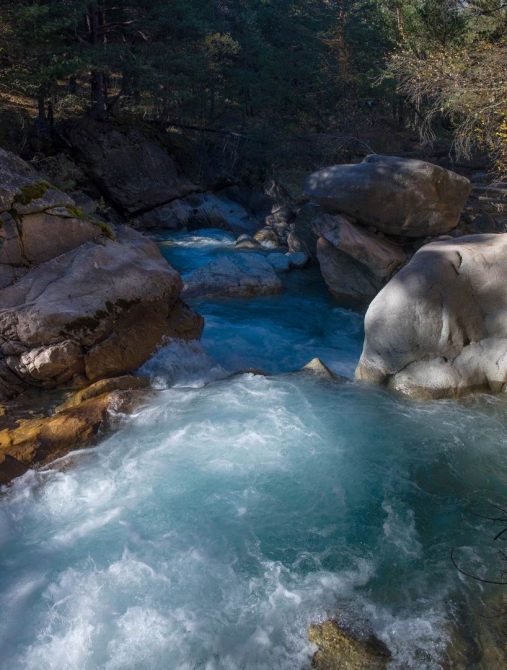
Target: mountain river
232,511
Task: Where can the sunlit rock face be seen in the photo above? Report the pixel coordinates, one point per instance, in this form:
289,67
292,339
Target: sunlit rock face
439,328
399,196
79,300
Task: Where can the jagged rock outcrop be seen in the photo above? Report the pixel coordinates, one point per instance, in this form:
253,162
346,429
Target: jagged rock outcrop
399,196
354,263
439,328
79,300
244,275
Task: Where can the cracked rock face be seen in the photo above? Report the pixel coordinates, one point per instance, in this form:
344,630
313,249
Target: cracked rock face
399,196
439,328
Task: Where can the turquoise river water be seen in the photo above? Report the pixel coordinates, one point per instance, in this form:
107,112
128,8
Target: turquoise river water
232,511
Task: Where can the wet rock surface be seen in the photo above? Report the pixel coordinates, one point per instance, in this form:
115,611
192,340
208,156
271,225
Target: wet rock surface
342,650
244,275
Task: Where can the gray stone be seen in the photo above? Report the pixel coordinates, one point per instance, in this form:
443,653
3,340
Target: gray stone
298,259
399,196
247,242
244,275
354,263
134,172
201,210
438,329
280,262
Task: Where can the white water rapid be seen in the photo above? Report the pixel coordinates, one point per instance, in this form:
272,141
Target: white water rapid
231,512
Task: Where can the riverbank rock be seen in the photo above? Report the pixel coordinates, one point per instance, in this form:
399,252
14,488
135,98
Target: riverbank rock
97,311
132,171
244,275
354,263
42,440
37,221
80,300
200,210
438,329
398,196
340,650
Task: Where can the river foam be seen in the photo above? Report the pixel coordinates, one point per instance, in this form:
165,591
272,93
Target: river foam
231,512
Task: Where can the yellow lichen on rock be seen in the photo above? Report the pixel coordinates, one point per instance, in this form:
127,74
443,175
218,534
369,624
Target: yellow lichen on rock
340,650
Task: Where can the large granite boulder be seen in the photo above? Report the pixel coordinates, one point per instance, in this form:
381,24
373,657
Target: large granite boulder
399,196
439,328
79,300
134,172
96,311
244,275
354,263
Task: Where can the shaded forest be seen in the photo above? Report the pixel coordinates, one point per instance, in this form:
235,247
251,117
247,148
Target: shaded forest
264,72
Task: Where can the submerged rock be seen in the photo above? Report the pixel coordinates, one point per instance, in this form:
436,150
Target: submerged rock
244,275
439,328
341,650
318,368
298,259
399,196
280,262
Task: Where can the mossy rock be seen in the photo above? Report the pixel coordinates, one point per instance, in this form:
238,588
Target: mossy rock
31,192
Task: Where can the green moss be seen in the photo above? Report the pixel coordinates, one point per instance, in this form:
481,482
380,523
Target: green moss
31,192
76,212
106,230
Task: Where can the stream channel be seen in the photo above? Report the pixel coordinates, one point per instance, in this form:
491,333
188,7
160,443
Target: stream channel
234,510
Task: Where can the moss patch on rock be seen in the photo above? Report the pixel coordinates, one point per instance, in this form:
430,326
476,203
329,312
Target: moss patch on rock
31,192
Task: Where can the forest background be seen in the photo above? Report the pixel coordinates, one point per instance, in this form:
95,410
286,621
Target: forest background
261,84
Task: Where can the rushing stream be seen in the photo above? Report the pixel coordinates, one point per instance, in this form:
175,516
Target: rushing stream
230,513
